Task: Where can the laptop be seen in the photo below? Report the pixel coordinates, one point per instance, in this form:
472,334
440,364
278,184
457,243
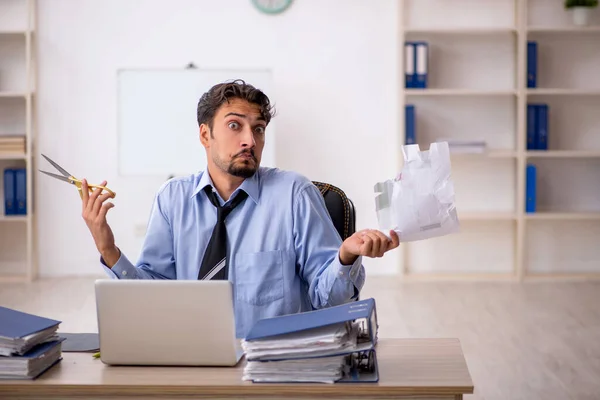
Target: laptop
166,322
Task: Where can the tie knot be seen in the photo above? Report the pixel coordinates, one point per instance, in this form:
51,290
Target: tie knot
223,211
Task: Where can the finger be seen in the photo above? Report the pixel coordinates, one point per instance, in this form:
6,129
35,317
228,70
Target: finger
384,243
93,197
367,244
395,239
375,244
85,194
100,202
104,209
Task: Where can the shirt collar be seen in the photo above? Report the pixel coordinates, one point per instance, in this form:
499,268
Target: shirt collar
249,185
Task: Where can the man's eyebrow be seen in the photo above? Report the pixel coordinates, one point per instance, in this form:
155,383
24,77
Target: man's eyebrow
261,118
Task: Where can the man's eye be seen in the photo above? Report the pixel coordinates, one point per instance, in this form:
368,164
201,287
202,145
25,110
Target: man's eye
233,125
260,130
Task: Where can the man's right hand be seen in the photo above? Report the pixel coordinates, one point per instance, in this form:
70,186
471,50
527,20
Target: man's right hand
94,209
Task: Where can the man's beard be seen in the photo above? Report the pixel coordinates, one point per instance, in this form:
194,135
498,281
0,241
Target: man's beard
245,170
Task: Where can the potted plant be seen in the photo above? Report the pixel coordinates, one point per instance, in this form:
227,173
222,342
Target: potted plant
581,10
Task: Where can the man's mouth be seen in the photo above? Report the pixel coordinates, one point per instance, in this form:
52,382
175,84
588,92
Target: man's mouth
247,156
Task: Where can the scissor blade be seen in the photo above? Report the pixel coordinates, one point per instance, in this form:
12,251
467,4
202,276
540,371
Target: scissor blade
60,177
58,167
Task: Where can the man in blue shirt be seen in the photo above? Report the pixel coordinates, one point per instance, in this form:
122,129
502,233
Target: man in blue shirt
283,253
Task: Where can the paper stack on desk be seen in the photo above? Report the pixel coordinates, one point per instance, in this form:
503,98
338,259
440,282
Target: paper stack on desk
29,344
335,344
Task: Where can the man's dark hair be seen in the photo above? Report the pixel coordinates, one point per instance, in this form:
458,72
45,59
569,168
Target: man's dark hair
210,101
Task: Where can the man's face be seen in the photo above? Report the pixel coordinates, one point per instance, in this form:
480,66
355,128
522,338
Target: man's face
237,139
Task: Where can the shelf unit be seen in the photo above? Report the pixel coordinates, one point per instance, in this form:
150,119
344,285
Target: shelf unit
477,89
17,88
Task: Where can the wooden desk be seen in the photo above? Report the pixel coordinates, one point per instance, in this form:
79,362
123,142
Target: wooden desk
408,368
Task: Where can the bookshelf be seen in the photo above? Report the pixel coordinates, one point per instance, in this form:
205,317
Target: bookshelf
17,87
477,89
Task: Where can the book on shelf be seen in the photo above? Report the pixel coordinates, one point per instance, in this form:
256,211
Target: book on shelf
410,124
15,191
334,344
530,188
29,344
537,126
416,64
532,64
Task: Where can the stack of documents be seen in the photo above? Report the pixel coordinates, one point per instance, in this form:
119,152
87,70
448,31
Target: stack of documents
335,344
29,344
12,144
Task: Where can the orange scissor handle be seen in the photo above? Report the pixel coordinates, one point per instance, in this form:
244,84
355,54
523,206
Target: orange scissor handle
91,188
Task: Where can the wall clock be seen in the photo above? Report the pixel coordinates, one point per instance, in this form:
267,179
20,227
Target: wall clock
272,6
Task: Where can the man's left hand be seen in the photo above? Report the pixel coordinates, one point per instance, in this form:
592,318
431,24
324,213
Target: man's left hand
369,243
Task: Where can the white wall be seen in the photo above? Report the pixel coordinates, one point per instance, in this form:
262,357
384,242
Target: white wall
335,70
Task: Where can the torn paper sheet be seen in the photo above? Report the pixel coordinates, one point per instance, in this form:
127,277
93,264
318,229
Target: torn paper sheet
419,203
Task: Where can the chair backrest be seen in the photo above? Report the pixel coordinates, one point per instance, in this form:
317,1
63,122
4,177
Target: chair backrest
340,208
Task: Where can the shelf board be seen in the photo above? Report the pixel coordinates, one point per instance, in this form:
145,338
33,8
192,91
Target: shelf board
15,156
565,29
11,95
486,216
562,154
485,154
563,216
458,92
14,218
461,31
19,32
564,92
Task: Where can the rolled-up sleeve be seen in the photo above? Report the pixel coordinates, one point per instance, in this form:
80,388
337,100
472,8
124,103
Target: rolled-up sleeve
317,245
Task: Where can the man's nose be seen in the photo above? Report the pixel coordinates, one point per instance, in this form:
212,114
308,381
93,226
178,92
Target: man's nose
248,138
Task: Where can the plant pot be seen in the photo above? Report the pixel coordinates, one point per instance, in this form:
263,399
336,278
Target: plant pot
581,15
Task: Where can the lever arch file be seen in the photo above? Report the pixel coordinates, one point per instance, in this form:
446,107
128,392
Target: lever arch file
335,344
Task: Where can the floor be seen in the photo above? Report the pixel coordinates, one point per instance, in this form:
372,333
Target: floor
521,341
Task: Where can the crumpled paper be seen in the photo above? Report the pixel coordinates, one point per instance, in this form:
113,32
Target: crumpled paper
419,203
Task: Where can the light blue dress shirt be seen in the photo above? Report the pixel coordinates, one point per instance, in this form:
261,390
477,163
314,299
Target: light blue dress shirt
283,249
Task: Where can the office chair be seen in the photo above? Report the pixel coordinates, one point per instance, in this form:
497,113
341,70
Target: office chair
340,208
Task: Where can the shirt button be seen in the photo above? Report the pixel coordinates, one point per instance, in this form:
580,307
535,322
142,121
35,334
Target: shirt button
341,273
124,273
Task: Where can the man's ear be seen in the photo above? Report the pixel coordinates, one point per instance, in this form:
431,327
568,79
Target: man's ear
204,135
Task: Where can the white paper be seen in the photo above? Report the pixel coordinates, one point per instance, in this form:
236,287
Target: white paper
420,203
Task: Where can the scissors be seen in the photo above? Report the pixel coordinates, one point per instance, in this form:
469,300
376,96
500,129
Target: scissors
67,177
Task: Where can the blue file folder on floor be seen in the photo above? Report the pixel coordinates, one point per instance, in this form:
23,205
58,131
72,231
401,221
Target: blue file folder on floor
335,344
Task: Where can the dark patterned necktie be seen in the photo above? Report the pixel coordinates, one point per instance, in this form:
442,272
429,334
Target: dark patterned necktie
214,263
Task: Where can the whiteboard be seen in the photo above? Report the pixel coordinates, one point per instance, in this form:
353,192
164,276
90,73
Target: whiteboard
158,131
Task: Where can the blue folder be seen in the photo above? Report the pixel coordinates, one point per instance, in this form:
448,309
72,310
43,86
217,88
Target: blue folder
363,357
276,326
530,188
410,125
17,324
531,64
10,205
